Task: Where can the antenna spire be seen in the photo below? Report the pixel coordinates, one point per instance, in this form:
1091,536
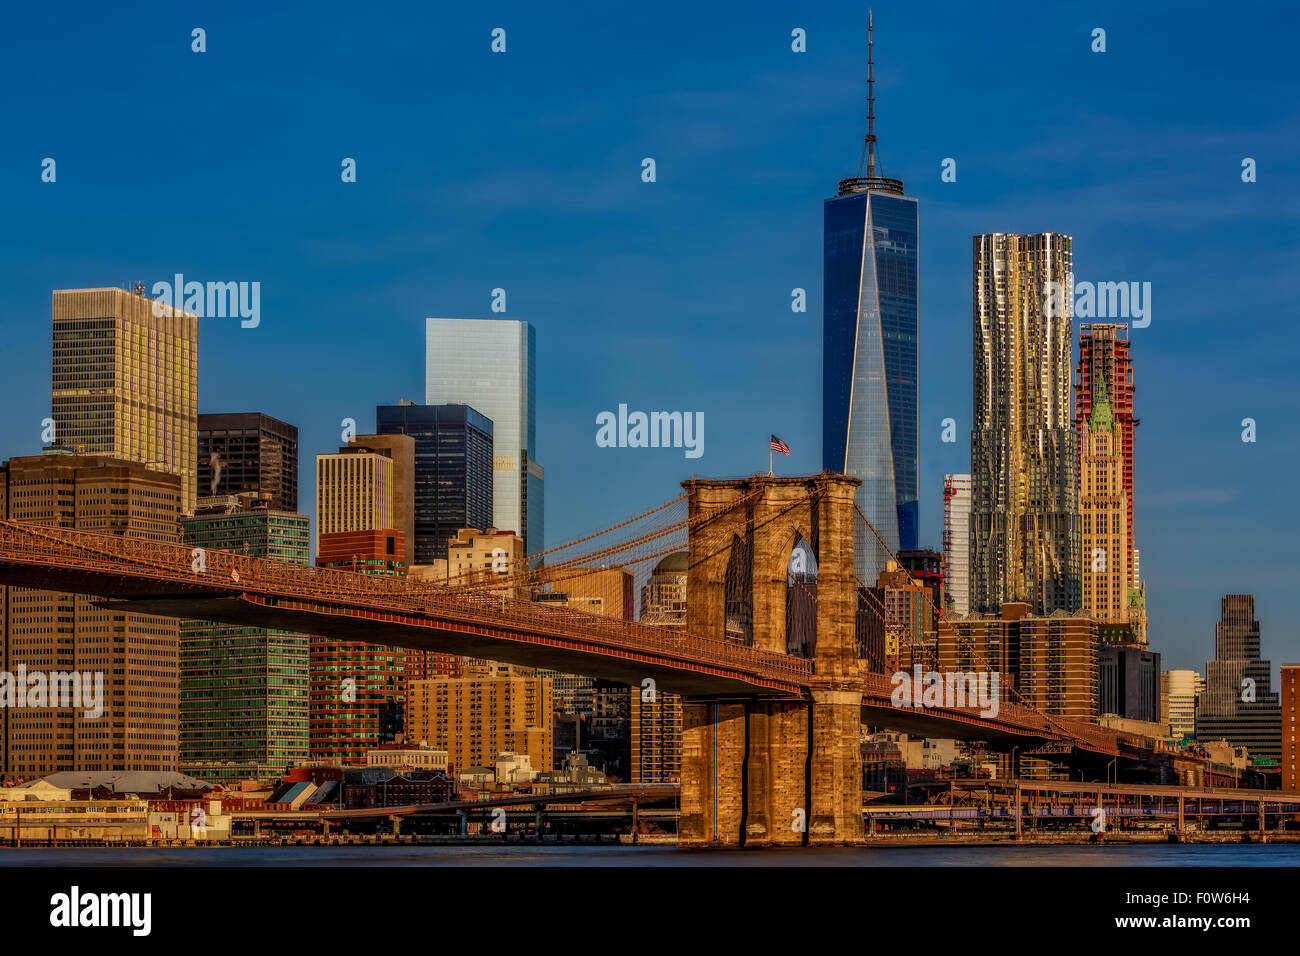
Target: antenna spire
873,181
871,103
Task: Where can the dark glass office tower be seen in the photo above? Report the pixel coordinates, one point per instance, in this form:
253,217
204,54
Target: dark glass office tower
869,338
249,451
453,470
1238,704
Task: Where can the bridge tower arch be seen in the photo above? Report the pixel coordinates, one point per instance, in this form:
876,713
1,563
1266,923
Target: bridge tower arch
801,599
762,771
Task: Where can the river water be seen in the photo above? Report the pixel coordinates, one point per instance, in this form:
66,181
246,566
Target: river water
1157,854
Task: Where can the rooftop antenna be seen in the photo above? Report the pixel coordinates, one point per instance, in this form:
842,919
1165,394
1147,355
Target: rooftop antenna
872,181
871,103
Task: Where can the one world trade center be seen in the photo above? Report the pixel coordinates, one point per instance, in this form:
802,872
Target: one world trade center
869,338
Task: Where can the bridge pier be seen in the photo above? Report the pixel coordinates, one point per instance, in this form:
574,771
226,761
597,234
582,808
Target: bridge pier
713,760
774,779
772,773
836,768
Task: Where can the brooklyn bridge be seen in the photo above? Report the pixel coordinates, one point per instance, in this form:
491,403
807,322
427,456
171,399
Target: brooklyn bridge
772,660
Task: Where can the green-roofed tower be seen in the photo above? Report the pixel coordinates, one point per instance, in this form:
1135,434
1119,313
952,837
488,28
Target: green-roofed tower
1101,419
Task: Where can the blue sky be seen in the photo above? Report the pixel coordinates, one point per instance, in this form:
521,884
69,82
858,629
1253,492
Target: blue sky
522,171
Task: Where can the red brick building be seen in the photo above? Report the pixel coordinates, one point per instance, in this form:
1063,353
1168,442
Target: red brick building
358,690
420,786
1289,692
366,552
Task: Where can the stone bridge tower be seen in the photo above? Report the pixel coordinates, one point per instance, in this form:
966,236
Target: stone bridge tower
775,572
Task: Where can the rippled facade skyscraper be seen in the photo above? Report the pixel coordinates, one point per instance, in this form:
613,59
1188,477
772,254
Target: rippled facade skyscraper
1025,542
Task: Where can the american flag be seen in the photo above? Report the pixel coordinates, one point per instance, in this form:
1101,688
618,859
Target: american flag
778,445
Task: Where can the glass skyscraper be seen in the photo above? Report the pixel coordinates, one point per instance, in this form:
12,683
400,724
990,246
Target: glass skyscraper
490,365
453,470
869,336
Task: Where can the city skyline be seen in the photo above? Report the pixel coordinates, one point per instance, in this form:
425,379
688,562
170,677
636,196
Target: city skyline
245,619
1191,535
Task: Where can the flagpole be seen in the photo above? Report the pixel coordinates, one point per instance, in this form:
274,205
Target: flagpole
769,461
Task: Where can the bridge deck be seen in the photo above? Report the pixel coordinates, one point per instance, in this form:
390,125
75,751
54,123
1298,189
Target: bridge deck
163,578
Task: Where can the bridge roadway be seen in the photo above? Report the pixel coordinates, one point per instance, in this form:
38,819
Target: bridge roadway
639,793
152,577
1041,802
1063,792
619,793
973,801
